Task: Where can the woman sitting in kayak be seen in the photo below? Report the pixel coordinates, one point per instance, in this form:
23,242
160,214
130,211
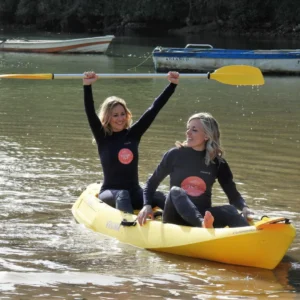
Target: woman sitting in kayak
193,166
118,144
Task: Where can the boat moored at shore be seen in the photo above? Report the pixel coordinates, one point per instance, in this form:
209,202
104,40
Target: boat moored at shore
206,58
82,45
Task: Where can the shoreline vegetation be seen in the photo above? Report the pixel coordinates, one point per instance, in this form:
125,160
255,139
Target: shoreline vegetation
272,18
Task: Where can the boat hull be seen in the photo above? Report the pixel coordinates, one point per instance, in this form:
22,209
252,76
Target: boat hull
83,45
208,60
247,246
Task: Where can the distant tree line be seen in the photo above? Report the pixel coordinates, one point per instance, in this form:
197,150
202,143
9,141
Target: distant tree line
116,15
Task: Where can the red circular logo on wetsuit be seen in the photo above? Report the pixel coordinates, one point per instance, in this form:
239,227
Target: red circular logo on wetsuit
194,186
125,156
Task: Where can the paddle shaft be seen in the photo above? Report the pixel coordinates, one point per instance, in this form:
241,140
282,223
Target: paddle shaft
47,76
124,75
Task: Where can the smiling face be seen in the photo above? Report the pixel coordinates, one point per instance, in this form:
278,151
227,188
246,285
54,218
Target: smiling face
118,118
195,135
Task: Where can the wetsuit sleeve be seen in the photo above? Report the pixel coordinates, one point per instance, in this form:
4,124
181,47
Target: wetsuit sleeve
162,171
225,179
93,119
140,127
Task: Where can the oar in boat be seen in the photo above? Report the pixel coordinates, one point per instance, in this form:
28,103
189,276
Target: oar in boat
233,75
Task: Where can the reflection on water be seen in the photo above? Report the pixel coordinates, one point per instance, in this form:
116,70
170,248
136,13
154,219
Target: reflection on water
47,159
183,278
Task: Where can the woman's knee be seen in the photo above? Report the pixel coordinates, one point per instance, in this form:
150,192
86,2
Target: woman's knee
108,197
177,196
177,192
123,201
123,195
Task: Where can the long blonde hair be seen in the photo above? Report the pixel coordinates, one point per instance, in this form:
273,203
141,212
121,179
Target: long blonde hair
211,130
105,112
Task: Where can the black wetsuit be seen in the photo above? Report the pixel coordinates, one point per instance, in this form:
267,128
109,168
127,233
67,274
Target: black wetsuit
191,182
118,154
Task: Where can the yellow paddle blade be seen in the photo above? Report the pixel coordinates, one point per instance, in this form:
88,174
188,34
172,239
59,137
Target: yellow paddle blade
27,76
238,75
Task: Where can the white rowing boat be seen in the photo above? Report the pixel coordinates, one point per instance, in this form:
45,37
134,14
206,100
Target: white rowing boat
83,45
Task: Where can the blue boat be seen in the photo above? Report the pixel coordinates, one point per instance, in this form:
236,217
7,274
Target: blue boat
205,58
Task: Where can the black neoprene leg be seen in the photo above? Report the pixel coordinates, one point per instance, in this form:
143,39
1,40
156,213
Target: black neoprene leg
119,199
137,199
179,209
109,197
123,202
227,215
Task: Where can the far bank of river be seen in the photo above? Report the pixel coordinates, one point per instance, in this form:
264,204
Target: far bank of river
219,28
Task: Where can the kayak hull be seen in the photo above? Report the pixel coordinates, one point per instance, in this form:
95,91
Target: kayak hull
246,246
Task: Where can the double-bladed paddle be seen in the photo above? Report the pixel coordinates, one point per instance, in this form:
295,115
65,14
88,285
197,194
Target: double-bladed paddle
233,75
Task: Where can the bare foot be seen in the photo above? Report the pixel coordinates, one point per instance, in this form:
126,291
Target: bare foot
208,220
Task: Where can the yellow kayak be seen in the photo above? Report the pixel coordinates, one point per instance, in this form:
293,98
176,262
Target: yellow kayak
261,245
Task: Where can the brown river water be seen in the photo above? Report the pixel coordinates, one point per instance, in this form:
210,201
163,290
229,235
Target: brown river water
47,158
